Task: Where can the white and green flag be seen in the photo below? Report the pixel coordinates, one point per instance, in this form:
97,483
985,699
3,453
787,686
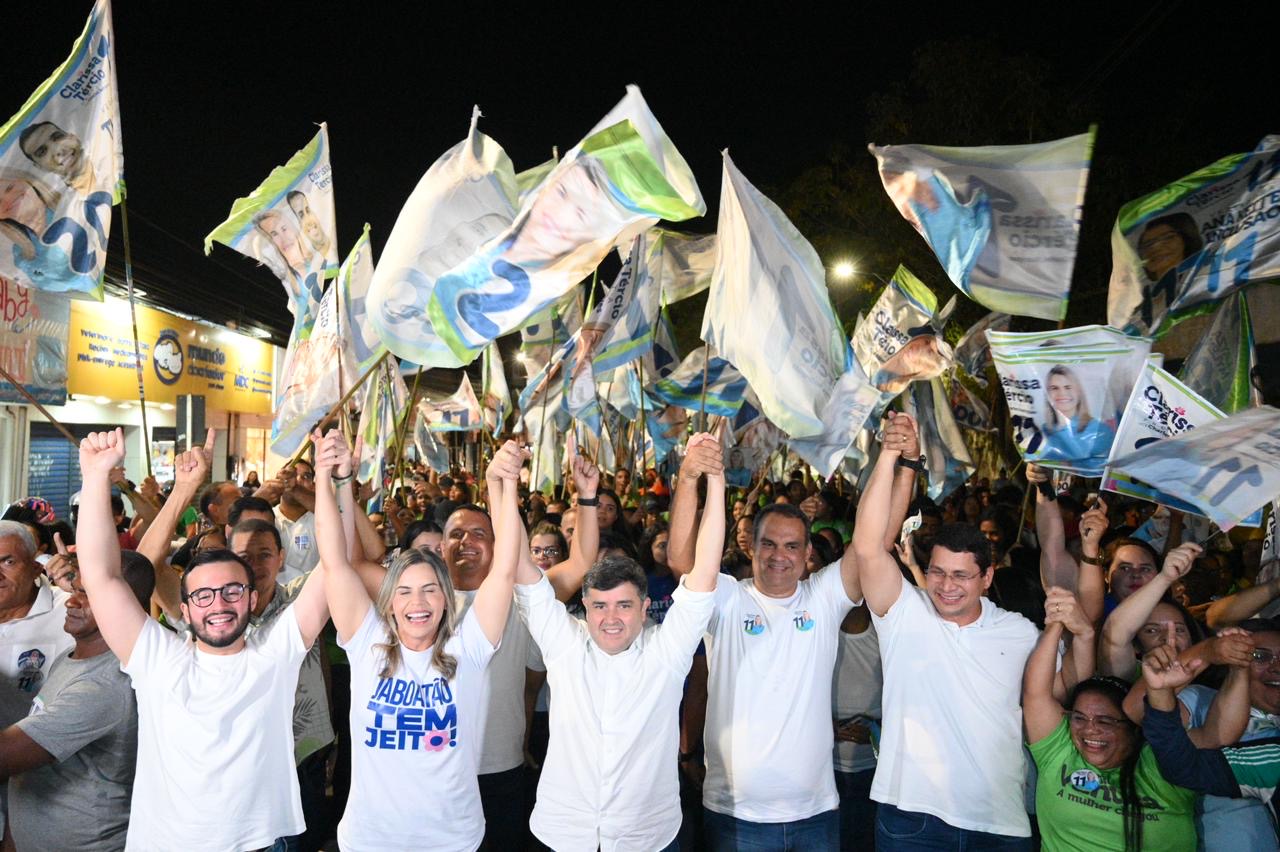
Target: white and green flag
287,225
459,412
362,345
311,381
1067,390
62,169
769,314
1218,367
496,400
898,342
386,400
947,460
1160,407
1004,220
620,180
1196,241
1227,469
467,198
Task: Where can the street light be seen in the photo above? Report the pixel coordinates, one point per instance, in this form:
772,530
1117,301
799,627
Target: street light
843,270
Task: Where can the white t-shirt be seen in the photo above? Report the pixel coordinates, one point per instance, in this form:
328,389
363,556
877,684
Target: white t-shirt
301,554
610,780
768,733
215,741
951,742
414,744
502,745
855,691
28,647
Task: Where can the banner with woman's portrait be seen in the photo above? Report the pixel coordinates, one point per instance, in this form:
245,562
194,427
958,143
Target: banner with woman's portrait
897,343
1196,240
1066,392
62,169
287,225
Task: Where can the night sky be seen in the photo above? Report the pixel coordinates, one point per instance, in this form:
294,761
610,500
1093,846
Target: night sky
214,95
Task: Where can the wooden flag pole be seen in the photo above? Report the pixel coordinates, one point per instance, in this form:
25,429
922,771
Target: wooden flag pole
137,347
337,406
398,471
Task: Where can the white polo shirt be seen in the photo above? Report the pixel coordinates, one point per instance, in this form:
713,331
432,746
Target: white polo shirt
611,777
28,647
951,739
768,734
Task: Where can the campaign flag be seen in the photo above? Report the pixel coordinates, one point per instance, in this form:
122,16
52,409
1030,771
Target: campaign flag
1218,367
311,381
466,198
287,225
947,459
973,352
1066,391
684,387
430,448
769,314
851,403
546,437
34,326
386,401
969,411
62,168
898,343
582,401
622,393
662,356
1270,558
681,264
621,179
1003,220
1160,407
1227,469
1196,241
361,344
459,412
548,330
666,425
496,397
528,181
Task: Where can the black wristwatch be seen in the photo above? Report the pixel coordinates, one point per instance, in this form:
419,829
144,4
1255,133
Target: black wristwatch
589,501
915,464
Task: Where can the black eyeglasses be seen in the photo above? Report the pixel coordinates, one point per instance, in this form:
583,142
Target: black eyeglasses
231,593
1263,657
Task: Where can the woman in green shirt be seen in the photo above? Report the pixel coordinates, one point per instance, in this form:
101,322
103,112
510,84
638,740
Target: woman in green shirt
1098,786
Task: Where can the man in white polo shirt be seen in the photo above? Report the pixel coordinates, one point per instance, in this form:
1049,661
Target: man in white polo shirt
770,782
951,770
610,780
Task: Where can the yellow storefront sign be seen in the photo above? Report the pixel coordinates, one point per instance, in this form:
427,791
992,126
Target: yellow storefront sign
232,371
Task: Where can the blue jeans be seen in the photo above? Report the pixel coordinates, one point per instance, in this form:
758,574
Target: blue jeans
898,829
857,810
815,834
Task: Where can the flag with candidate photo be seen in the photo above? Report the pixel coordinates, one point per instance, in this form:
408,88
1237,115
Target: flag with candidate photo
702,379
287,224
467,197
947,460
973,351
386,401
1066,391
624,177
899,341
496,400
62,169
313,376
1219,366
1196,241
1003,220
362,345
1227,469
459,412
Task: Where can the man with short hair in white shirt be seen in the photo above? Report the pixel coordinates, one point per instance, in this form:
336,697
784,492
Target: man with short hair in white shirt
610,779
215,711
951,771
770,781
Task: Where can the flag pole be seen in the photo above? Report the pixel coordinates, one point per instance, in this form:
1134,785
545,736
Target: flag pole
398,472
306,445
137,347
702,403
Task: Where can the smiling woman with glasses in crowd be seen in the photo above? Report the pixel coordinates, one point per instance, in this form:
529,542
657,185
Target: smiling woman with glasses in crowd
1098,786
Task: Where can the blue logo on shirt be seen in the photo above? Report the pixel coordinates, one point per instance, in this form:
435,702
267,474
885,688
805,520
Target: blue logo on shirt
803,620
753,624
1085,780
411,715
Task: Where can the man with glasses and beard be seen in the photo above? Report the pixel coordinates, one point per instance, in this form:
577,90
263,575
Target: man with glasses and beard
215,766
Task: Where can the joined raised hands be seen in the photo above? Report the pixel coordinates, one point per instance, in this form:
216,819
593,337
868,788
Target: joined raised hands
900,435
1231,647
703,456
333,453
1063,607
506,462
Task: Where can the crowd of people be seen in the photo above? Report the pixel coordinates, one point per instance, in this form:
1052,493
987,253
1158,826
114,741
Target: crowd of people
668,663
